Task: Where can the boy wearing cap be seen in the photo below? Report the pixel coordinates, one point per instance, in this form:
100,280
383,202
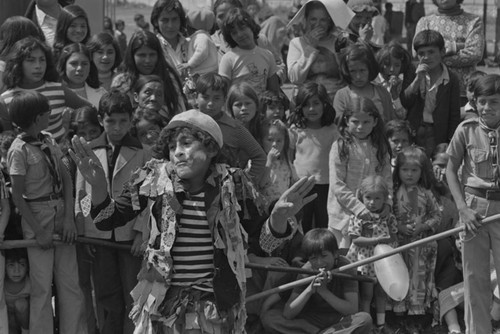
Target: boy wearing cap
193,277
202,52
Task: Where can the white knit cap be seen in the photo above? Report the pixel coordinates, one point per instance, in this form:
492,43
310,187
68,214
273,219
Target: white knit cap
198,120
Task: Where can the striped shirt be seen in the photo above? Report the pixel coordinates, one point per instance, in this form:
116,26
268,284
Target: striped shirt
193,250
54,92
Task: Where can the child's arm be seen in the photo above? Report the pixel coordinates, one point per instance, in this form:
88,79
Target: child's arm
468,217
43,237
254,152
73,100
269,302
365,241
201,48
346,306
69,227
297,301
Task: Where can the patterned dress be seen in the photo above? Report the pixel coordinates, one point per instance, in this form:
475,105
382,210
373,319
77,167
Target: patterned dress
413,205
376,227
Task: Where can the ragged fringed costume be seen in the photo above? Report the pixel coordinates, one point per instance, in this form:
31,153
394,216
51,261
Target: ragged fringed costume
161,298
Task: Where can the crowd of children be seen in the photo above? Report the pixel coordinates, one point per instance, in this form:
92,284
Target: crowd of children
96,142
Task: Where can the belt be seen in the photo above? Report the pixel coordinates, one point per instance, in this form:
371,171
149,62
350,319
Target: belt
490,194
51,197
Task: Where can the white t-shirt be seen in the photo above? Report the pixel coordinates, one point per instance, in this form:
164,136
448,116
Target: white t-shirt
253,66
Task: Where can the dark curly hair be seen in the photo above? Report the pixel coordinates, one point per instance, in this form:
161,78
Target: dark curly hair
13,75
307,91
235,19
161,149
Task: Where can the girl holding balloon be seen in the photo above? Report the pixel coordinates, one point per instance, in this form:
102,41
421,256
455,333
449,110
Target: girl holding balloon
418,216
365,234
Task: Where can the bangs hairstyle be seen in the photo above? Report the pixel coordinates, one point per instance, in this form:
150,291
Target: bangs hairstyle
358,104
26,106
395,50
168,74
212,81
16,255
99,41
397,125
372,184
66,17
283,129
235,19
362,53
238,91
14,29
21,51
414,155
67,52
169,6
269,97
115,102
487,86
307,91
318,240
161,149
428,38
314,5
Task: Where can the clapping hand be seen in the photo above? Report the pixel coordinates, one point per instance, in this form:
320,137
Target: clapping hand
87,162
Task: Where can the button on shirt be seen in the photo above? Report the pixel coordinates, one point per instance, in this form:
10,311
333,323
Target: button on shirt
430,94
47,24
471,145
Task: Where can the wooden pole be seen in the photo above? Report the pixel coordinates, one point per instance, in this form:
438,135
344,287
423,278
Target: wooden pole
10,244
371,259
296,270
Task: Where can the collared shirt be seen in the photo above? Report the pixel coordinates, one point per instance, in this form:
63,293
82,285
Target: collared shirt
470,145
431,93
47,24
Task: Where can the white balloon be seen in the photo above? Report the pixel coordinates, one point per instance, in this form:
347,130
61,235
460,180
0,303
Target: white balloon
392,273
